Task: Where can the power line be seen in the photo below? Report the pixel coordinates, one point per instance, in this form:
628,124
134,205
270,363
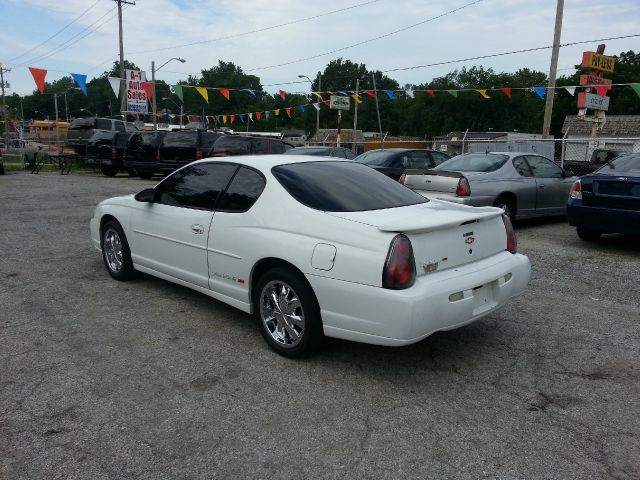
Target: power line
55,34
264,29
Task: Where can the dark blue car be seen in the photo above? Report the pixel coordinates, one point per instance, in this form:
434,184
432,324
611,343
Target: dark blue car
607,200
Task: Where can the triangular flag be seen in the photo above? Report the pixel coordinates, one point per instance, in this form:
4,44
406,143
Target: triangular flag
241,115
115,85
409,93
391,95
148,89
540,91
302,108
483,92
571,90
357,98
283,94
203,91
225,93
506,91
214,119
276,112
453,93
39,75
431,92
318,95
249,91
177,90
232,118
81,80
250,115
317,105
266,114
371,93
224,119
602,89
258,115
636,88
327,103
288,110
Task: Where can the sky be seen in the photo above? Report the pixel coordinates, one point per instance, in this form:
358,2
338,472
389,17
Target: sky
90,45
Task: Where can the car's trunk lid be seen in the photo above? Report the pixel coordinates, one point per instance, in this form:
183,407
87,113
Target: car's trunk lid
612,191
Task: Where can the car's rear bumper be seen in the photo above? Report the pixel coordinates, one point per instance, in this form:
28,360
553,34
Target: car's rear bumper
607,220
400,317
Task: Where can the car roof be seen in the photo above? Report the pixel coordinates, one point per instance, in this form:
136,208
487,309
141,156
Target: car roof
267,162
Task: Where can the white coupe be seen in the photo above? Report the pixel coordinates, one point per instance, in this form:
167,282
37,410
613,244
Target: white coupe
315,247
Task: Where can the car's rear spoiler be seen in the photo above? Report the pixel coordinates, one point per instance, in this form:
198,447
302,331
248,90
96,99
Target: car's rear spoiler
438,220
440,173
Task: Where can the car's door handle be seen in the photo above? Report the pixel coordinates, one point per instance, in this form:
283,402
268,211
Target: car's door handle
197,228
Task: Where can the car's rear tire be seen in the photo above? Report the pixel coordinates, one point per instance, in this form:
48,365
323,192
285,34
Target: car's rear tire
287,312
508,205
115,251
108,170
588,235
145,174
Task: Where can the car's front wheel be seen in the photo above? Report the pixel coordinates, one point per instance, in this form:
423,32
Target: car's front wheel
108,170
588,235
145,174
288,312
115,251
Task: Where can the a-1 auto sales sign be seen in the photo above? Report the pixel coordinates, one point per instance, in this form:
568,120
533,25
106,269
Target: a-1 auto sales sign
136,97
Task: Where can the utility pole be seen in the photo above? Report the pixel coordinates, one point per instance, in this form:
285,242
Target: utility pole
318,110
375,92
153,95
55,100
548,107
123,81
5,112
355,116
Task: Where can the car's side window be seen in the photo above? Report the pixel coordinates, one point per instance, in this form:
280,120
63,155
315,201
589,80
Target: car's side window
244,190
543,168
438,157
418,159
197,186
119,126
259,145
521,166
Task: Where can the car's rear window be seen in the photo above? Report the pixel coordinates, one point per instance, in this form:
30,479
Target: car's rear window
625,163
82,123
233,143
376,158
208,139
180,139
319,151
474,162
343,187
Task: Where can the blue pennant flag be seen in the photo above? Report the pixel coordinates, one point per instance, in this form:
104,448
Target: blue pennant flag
302,108
241,115
391,95
540,91
249,91
81,80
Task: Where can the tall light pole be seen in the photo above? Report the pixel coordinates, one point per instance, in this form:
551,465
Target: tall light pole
123,81
548,106
319,88
179,106
153,86
355,117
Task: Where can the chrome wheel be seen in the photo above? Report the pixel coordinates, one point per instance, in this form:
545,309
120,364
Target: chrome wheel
281,313
112,246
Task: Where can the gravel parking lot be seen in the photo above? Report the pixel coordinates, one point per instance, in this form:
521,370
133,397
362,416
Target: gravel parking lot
101,379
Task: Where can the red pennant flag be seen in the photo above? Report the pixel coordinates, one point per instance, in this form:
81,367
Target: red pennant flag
214,118
258,115
283,94
371,93
231,118
38,75
506,91
225,93
602,89
288,110
327,103
148,89
431,92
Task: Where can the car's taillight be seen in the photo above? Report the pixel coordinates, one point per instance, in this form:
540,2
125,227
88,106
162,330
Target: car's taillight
198,154
158,154
114,153
576,190
463,189
403,178
400,268
512,243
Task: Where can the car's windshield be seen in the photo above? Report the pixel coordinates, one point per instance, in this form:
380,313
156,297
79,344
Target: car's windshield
625,163
474,162
343,187
375,158
318,151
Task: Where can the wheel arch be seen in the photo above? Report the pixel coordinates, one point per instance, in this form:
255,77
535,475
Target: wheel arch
511,196
268,263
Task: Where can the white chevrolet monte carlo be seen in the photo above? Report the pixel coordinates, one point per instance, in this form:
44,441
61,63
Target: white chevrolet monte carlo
315,247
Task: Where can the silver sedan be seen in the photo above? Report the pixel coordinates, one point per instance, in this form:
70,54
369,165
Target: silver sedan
523,184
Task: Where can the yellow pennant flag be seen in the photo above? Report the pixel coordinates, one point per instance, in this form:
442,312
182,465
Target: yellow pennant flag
483,92
319,96
356,98
224,119
203,91
276,112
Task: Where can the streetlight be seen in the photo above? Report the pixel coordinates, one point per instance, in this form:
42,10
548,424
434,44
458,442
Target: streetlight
319,89
179,106
153,83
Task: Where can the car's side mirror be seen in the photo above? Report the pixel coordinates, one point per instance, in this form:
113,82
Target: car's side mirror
147,195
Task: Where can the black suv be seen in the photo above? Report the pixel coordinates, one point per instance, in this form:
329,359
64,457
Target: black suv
143,152
107,150
245,145
82,129
185,146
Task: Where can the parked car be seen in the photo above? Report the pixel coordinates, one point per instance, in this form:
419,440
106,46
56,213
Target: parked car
179,148
82,129
389,269
522,184
320,151
599,157
394,161
608,200
228,145
142,153
107,149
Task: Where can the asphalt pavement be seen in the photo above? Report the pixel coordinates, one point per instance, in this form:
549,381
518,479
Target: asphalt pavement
101,379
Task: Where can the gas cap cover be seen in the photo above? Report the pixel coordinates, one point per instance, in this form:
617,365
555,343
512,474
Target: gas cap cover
323,256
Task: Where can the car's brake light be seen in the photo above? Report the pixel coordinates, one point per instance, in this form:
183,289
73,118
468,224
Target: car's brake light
198,154
114,153
403,178
158,154
400,268
576,190
463,189
512,242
